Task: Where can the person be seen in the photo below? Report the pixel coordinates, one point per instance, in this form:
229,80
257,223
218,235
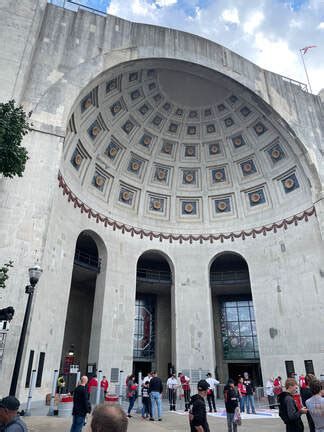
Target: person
277,386
242,393
185,384
249,394
231,397
60,384
305,394
145,400
93,383
9,418
104,385
148,377
197,413
288,411
81,405
172,385
315,405
211,391
131,393
109,417
270,393
155,390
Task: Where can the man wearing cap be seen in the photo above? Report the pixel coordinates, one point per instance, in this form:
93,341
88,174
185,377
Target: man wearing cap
197,413
9,419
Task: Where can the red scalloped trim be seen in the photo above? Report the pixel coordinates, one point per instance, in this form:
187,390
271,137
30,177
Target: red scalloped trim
283,224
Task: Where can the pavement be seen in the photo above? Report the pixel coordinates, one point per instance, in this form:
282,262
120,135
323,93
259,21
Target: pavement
175,422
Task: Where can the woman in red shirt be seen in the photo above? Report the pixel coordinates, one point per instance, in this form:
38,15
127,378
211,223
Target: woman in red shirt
242,394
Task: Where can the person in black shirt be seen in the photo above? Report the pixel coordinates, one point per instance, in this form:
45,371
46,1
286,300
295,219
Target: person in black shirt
249,393
197,413
81,406
155,390
231,398
305,394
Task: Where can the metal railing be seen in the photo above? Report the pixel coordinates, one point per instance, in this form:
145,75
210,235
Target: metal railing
157,276
230,277
83,259
75,6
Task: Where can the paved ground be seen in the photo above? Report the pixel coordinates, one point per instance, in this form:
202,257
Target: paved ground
171,422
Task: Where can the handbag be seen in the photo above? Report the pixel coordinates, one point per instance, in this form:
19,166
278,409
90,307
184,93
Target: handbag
237,417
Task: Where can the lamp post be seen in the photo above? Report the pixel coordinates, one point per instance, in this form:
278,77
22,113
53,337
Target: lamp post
34,275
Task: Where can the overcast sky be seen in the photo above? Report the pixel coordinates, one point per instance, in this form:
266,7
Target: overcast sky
267,32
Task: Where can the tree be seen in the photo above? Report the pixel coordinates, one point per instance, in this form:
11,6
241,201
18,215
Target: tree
4,273
13,127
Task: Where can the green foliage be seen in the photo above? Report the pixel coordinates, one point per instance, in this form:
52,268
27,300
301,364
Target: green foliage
4,273
13,127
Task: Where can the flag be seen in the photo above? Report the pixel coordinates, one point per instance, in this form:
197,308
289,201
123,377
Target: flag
305,49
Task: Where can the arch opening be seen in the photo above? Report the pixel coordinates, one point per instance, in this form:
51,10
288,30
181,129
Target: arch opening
236,340
152,342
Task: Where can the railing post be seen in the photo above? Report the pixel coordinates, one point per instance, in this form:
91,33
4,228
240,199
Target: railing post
30,393
52,401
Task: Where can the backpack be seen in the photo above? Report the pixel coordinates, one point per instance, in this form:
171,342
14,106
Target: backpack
283,414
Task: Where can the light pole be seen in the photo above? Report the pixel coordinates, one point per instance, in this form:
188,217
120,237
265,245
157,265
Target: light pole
34,275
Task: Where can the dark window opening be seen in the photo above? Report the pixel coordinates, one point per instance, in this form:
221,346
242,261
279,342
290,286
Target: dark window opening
309,367
40,369
290,368
29,369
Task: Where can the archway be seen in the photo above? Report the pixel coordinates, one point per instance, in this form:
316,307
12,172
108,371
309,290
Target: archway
236,339
153,317
81,343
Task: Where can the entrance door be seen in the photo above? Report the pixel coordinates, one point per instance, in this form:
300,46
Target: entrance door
253,369
140,366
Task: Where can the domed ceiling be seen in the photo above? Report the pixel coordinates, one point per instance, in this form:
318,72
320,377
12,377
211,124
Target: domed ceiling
176,147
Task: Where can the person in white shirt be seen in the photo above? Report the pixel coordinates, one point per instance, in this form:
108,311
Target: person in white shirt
315,405
211,391
147,378
172,384
270,393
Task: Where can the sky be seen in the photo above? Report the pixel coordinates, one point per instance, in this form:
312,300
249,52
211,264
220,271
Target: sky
270,33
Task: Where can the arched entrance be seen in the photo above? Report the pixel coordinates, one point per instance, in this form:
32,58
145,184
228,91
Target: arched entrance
87,285
236,340
153,317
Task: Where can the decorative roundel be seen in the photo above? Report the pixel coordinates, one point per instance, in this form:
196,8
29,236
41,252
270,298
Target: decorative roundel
128,127
135,166
247,167
156,204
275,154
78,159
99,180
87,103
213,149
189,178
190,151
167,148
219,175
256,197
222,205
259,128
289,183
117,107
125,196
95,131
237,141
188,208
147,140
161,174
113,151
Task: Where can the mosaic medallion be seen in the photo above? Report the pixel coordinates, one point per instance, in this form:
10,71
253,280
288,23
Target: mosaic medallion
126,196
133,76
191,130
290,183
157,120
173,127
86,103
76,159
221,107
99,181
228,122
150,73
218,175
189,207
135,94
134,165
179,112
112,150
259,128
190,151
276,153
193,114
214,148
245,111
156,204
248,167
207,112
189,177
238,141
143,109
94,130
128,127
233,99
256,198
167,106
211,128
167,148
161,174
116,108
146,140
111,85
157,97
222,205
152,86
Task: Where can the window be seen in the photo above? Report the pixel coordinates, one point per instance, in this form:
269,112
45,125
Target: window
239,330
290,368
309,367
40,369
29,369
144,333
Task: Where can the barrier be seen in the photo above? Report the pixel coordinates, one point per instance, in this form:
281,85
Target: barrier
111,398
65,406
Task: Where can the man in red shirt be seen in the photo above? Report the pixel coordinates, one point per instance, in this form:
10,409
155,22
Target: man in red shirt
104,385
92,383
184,380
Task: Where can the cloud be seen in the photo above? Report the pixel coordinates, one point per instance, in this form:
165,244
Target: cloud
230,16
320,26
165,3
253,22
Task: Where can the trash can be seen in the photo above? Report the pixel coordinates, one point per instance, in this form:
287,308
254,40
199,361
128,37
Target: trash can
111,398
65,406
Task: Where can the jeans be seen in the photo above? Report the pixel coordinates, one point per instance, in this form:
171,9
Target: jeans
77,424
187,399
131,403
156,399
146,406
211,401
250,404
172,398
242,403
231,426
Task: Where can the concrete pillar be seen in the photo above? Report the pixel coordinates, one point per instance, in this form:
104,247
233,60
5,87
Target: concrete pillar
193,313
